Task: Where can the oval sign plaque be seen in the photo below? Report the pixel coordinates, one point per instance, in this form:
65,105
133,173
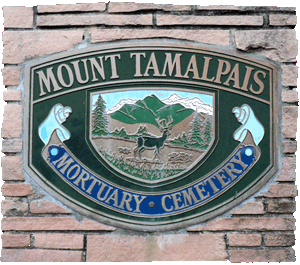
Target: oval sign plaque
151,135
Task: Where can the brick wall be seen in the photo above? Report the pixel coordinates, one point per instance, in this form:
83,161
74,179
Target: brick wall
36,227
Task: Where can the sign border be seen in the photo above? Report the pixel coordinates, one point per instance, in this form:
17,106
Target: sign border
142,44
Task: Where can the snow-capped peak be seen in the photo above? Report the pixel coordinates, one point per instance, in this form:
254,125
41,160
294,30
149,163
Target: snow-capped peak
121,103
195,103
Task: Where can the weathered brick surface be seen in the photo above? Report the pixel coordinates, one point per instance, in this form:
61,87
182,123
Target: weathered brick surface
71,8
16,190
14,208
116,248
12,121
15,240
12,145
40,255
289,147
220,37
133,7
244,240
278,45
288,169
167,20
12,168
247,223
18,17
289,121
51,224
289,96
280,240
289,75
285,206
102,19
249,208
166,247
11,76
59,241
30,44
262,255
12,95
282,20
282,190
46,207
219,7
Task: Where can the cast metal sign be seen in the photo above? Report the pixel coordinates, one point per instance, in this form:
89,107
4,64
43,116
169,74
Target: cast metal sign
150,135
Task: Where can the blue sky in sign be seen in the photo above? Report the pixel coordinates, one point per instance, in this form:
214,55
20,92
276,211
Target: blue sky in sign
114,98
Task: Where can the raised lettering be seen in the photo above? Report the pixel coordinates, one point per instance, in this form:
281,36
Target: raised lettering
47,81
171,65
152,65
113,64
138,62
222,71
163,203
127,198
138,202
192,67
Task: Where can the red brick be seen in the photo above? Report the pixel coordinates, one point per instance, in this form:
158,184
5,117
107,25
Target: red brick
18,17
282,190
167,20
11,76
282,20
14,208
12,121
219,7
12,168
191,247
60,241
40,255
276,44
133,7
281,206
288,169
30,44
220,37
52,224
249,208
71,8
99,19
289,121
12,95
280,240
16,190
12,145
289,147
289,96
247,223
112,248
131,248
262,255
244,240
46,207
15,240
289,75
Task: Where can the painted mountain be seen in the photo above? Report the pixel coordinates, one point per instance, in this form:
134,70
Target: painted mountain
118,132
148,110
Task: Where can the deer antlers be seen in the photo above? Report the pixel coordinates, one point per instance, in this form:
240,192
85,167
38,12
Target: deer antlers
167,123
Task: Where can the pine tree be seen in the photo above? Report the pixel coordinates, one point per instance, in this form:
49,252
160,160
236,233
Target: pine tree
207,130
100,121
196,132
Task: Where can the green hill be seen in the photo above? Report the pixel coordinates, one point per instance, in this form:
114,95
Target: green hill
149,109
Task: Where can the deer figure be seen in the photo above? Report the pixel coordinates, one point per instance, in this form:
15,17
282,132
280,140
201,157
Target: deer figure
155,143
